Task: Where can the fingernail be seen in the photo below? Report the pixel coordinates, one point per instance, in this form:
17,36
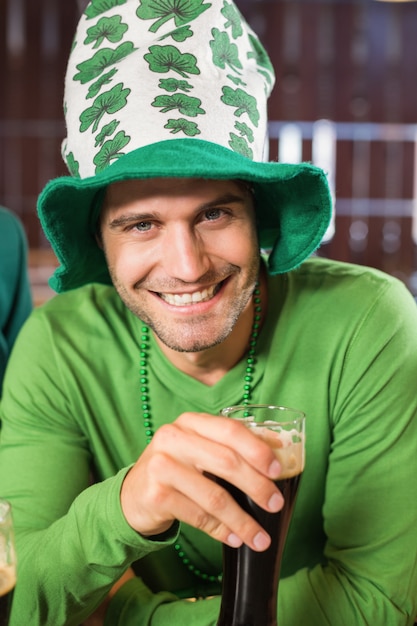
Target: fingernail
275,502
233,541
261,541
274,469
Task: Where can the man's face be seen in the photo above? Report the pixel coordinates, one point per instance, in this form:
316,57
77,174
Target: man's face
183,255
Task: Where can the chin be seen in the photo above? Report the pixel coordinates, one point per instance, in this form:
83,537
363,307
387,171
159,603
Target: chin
195,343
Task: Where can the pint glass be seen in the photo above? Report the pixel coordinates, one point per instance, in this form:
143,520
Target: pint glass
250,579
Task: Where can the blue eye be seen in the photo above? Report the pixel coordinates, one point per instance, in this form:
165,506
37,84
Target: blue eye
143,226
213,214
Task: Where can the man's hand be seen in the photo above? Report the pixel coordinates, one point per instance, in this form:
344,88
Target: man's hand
169,481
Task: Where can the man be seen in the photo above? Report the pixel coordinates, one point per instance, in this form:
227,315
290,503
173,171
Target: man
169,313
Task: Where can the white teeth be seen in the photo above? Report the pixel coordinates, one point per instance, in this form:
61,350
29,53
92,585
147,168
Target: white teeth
188,298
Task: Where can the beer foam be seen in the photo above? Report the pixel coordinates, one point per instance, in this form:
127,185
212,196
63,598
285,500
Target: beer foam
7,578
291,460
288,447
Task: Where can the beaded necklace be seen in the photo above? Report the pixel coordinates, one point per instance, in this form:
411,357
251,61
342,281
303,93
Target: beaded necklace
247,393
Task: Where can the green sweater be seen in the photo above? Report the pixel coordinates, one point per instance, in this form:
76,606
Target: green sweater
339,342
15,295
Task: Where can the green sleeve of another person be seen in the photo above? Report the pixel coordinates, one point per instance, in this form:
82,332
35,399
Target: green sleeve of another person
15,294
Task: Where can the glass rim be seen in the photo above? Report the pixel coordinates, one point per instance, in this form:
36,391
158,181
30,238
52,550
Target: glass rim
225,412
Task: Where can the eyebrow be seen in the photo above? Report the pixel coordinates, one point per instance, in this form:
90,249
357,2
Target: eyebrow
129,218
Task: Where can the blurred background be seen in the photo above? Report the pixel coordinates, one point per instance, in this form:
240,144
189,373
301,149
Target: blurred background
345,99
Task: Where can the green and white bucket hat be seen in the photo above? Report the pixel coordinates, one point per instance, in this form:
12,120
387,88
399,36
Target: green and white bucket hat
172,88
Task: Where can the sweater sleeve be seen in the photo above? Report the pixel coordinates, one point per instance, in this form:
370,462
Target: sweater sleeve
66,570
134,605
72,540
369,570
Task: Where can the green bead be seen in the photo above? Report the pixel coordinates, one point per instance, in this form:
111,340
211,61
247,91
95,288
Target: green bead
247,392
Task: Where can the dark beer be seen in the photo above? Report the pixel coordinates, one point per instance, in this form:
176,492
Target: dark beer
250,579
7,584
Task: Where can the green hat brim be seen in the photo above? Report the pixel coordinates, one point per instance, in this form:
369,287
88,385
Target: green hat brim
293,204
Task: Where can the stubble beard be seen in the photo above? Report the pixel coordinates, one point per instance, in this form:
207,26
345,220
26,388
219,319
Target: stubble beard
190,335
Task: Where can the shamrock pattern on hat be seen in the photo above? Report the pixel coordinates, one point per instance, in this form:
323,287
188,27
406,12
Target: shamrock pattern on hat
182,11
96,7
110,40
110,28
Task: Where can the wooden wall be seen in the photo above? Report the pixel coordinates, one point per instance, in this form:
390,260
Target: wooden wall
354,62
35,38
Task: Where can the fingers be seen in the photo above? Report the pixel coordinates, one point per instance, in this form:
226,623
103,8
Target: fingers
227,431
171,480
238,465
200,502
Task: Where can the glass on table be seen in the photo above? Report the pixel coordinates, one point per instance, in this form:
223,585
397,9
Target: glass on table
7,562
250,579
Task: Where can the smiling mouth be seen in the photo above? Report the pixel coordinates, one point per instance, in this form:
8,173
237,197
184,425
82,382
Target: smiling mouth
184,299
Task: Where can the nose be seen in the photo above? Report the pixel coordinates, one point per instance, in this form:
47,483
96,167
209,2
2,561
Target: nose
185,255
